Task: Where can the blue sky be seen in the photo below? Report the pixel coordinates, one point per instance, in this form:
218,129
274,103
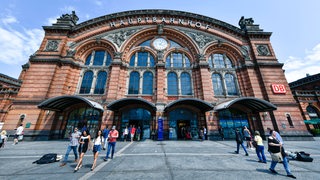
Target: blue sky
295,25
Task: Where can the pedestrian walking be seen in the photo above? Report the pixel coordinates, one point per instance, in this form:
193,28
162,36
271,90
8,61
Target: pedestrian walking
96,148
105,134
138,133
73,145
247,136
260,147
274,147
125,134
3,138
18,134
132,132
84,142
113,135
239,140
220,129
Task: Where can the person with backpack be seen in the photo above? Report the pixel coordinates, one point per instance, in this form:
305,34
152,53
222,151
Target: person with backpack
239,140
73,144
105,134
96,148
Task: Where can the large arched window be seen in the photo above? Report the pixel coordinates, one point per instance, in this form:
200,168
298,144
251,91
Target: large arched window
147,83
134,83
177,60
142,59
219,61
86,82
217,84
186,88
230,84
98,58
172,84
100,83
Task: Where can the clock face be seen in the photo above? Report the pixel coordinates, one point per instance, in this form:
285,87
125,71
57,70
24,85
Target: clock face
160,44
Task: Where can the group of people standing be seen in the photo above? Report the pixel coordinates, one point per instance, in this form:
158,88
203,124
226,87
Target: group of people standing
131,133
275,148
82,142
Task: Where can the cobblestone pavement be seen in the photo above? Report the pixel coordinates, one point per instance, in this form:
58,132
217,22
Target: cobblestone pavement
155,160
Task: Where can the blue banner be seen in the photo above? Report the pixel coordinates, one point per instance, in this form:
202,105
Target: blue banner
160,129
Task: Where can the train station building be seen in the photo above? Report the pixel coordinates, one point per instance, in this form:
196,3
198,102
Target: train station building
161,70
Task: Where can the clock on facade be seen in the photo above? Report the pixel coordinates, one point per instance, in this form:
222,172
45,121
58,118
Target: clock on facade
160,44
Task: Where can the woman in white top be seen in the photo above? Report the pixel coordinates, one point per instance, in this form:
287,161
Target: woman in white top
96,148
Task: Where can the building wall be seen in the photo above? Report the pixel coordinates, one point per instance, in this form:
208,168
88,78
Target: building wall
57,68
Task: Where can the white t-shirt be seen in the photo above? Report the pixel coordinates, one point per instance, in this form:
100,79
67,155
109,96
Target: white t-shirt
19,130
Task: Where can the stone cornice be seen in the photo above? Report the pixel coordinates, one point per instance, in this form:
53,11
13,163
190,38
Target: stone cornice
10,80
158,12
55,60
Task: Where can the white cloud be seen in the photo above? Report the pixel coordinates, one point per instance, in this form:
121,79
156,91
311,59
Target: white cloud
98,3
297,68
51,20
17,45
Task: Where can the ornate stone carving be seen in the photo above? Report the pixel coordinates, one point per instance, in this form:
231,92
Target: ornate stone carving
117,55
52,45
71,52
245,52
119,37
200,38
160,28
263,50
72,17
243,22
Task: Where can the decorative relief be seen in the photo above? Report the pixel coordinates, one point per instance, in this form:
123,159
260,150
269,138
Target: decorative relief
119,37
245,52
263,50
71,52
52,45
200,38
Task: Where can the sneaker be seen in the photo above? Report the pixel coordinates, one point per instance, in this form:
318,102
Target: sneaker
273,171
62,164
247,154
292,176
236,152
76,160
105,159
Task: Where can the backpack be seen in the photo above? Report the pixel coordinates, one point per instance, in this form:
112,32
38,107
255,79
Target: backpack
302,156
47,158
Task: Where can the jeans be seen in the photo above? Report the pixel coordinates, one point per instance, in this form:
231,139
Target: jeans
74,148
260,153
285,165
111,145
244,148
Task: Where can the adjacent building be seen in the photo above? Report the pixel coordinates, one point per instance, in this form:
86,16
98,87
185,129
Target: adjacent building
171,73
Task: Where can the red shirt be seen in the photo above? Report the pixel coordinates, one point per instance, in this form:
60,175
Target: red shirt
113,135
133,130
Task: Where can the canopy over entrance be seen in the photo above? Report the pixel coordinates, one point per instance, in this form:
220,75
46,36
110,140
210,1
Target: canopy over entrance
60,103
202,105
247,104
125,101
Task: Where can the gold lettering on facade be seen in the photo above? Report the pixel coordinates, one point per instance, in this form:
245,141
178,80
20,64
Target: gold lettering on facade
112,24
189,23
154,19
147,18
163,20
129,20
171,20
139,20
198,24
121,23
181,21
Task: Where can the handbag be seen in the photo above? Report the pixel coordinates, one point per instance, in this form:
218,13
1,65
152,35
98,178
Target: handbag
277,157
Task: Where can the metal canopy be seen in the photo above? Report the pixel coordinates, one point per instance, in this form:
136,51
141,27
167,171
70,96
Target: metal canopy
202,105
248,103
312,121
126,101
60,103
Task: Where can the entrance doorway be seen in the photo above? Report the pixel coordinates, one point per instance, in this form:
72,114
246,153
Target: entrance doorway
183,129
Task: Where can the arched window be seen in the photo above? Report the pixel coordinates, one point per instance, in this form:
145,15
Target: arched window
87,63
100,83
172,84
134,83
186,88
219,61
289,120
230,84
147,83
98,58
142,59
86,82
177,60
109,59
217,84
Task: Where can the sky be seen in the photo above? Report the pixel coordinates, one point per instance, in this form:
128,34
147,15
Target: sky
295,25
